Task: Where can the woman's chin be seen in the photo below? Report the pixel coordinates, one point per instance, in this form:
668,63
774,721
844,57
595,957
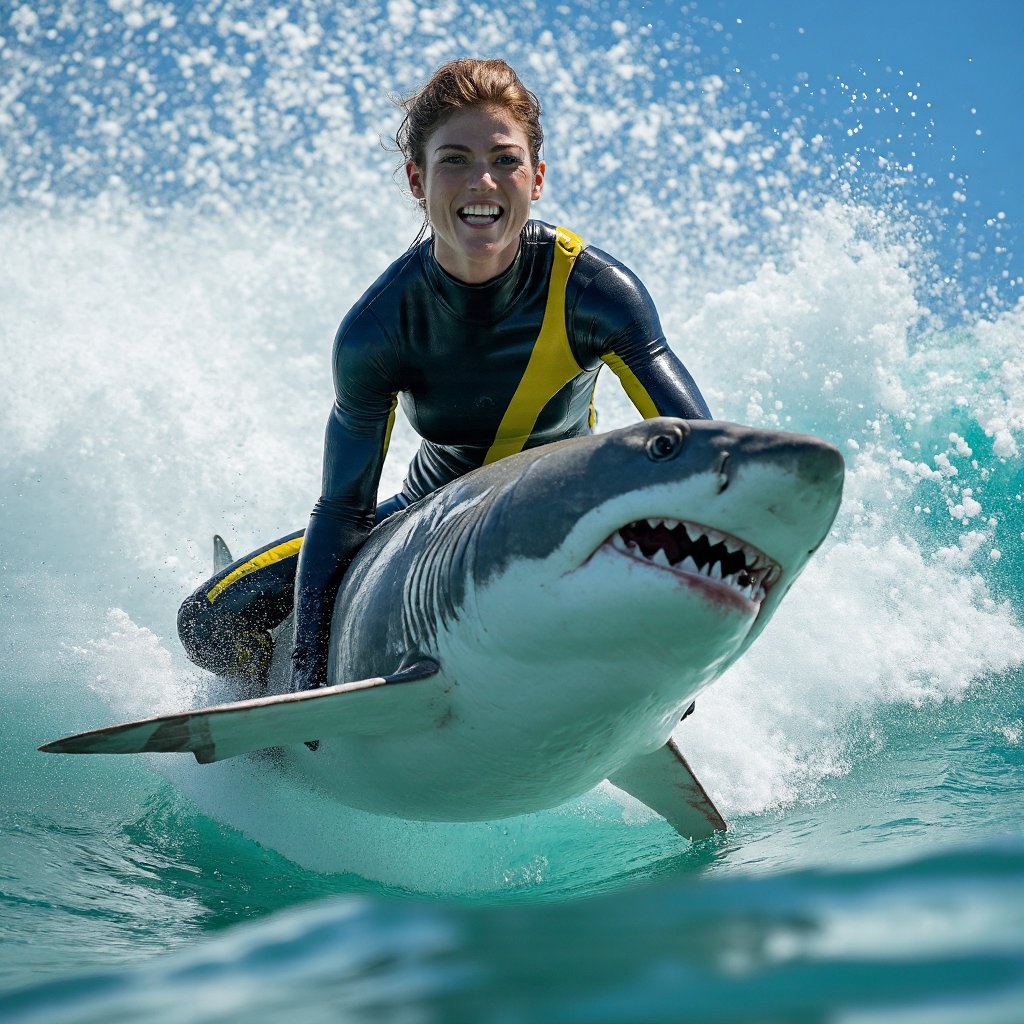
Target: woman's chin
477,255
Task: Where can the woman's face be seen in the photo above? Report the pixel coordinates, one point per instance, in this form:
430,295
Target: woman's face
478,184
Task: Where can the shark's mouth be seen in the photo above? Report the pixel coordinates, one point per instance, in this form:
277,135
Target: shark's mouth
691,549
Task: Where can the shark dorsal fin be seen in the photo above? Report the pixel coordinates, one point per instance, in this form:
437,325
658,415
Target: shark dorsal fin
221,554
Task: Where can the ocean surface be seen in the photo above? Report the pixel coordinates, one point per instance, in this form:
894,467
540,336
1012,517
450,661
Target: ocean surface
190,199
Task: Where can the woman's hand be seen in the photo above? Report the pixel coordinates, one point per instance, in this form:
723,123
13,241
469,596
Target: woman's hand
309,669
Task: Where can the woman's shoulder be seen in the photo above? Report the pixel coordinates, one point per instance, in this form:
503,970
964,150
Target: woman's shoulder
395,279
590,260
606,300
371,314
601,275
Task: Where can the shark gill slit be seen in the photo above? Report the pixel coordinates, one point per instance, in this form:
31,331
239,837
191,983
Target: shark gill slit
440,579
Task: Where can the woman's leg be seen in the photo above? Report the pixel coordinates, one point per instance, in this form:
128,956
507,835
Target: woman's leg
225,624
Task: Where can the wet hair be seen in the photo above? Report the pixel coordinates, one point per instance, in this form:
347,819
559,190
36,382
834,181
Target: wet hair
459,85
467,83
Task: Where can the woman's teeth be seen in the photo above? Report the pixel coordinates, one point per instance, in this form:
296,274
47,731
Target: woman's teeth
480,213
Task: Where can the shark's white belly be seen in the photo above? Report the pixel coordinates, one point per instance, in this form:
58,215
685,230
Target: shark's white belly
488,762
545,712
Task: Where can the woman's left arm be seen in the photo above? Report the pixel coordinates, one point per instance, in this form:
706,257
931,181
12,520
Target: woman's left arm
615,321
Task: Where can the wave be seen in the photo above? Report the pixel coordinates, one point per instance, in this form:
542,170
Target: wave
196,196
936,938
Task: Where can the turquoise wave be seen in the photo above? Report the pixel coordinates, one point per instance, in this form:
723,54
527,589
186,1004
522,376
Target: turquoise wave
939,938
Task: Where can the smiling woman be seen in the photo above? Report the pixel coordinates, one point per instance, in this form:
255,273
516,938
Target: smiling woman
472,144
477,185
491,332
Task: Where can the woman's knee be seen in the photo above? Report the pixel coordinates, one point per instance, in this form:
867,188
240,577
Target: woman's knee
202,631
224,642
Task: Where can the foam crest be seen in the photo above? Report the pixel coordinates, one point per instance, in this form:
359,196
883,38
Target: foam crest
977,375
131,670
815,339
867,627
167,384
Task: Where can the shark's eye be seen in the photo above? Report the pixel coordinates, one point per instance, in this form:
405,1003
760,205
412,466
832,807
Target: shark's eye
666,445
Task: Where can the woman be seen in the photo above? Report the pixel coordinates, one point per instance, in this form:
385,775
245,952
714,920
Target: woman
492,332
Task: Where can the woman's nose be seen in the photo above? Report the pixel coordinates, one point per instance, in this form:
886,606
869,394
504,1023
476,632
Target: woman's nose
481,179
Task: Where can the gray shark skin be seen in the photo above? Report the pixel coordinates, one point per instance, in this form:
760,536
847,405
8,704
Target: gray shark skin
564,651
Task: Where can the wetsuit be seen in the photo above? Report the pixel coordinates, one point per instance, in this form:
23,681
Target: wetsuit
482,371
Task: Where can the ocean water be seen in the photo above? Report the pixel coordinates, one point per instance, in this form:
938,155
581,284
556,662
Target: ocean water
191,199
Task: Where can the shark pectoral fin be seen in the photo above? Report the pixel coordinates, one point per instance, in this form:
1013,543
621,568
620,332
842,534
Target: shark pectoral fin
411,697
665,783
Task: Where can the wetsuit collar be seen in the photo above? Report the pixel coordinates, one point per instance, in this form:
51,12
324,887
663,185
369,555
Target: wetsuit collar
477,303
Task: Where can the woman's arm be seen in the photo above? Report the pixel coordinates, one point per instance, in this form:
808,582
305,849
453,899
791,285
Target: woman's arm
613,319
656,381
357,436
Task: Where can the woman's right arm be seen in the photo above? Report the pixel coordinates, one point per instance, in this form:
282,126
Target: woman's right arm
354,448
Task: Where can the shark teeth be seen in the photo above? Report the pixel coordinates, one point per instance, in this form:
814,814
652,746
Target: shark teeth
696,550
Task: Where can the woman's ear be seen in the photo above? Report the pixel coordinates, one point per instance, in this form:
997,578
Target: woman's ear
412,172
538,180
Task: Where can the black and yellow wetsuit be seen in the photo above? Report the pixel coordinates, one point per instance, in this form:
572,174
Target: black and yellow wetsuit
482,371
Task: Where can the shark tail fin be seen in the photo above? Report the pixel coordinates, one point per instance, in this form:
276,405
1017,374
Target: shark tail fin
221,553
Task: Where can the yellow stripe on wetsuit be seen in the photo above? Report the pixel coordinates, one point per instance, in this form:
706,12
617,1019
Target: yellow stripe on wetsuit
389,428
552,364
637,393
257,562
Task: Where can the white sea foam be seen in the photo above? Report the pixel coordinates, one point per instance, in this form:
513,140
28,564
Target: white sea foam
869,626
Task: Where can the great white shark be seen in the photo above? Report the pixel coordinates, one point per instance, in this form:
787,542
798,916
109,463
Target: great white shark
538,626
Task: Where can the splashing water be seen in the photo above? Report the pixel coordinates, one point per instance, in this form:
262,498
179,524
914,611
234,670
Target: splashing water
191,199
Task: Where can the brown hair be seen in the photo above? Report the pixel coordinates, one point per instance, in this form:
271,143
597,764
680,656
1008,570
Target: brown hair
467,83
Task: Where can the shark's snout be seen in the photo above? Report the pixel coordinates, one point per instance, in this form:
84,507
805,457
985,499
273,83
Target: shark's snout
823,466
729,511
815,463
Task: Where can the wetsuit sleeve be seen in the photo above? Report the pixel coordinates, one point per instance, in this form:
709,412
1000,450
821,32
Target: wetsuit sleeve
614,321
358,431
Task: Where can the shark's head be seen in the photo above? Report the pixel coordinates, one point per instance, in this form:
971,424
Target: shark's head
669,542
685,535
576,597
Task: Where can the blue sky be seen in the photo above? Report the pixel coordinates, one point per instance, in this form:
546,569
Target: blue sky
947,79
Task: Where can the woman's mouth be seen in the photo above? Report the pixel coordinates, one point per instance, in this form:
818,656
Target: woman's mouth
480,214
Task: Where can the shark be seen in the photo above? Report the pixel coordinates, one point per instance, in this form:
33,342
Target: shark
537,627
